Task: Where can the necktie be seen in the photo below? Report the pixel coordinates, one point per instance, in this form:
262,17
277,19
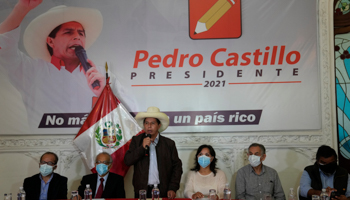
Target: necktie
100,189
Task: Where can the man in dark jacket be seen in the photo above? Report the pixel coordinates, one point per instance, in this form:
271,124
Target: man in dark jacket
104,184
325,174
155,157
46,184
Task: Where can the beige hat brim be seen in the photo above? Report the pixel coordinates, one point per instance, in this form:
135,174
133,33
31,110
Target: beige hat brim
38,30
162,117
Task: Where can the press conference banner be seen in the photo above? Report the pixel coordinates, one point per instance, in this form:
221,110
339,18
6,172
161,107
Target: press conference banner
210,65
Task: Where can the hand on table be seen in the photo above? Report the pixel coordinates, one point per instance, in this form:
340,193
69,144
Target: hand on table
171,194
329,190
341,197
197,195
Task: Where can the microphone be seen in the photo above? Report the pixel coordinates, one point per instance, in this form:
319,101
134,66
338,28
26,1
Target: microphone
147,147
81,54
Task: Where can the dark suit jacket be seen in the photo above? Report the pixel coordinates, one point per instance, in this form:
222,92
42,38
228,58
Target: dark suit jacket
340,179
169,164
57,187
114,187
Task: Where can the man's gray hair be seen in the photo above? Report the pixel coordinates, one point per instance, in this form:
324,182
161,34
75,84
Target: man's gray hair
262,148
105,153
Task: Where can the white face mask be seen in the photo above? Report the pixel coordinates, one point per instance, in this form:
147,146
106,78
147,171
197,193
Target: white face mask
254,160
46,169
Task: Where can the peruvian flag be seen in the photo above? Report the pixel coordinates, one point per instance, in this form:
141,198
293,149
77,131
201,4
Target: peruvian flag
108,128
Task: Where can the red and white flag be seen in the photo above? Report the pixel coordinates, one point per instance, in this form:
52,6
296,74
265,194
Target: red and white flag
108,128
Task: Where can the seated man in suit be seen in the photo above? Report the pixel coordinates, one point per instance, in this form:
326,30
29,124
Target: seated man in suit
325,173
104,184
46,184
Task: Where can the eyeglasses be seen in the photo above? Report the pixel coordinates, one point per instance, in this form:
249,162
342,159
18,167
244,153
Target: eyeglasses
104,162
49,163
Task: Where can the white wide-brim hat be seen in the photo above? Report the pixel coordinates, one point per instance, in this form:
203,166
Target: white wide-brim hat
153,112
38,30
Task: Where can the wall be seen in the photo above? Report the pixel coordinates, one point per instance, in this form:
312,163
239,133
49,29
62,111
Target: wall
287,152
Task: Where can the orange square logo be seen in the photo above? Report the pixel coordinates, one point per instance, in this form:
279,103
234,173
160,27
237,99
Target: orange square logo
214,19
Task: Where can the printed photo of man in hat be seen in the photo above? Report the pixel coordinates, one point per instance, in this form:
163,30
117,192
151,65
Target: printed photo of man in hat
50,78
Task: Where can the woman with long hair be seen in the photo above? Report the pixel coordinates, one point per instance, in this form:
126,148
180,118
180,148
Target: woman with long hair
205,176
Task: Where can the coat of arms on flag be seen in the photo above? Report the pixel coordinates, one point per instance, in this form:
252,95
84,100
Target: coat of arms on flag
109,128
111,135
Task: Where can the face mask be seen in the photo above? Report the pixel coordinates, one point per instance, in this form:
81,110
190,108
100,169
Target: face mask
254,160
204,161
46,169
329,168
101,169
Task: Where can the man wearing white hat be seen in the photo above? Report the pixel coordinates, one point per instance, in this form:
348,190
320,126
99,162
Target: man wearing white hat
50,79
155,157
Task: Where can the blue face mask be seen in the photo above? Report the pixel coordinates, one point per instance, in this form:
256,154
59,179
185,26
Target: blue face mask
101,169
204,161
46,169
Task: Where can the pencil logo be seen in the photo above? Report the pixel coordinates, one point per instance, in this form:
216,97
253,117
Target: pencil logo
211,19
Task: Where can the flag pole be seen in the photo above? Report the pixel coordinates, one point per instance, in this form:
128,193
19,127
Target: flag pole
106,71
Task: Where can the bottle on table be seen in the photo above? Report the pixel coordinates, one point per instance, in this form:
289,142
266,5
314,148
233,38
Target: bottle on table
212,194
21,195
155,192
315,197
87,192
227,192
142,194
324,194
74,195
8,196
291,195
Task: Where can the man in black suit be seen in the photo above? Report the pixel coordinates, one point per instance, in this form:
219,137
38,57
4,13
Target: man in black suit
46,184
104,184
